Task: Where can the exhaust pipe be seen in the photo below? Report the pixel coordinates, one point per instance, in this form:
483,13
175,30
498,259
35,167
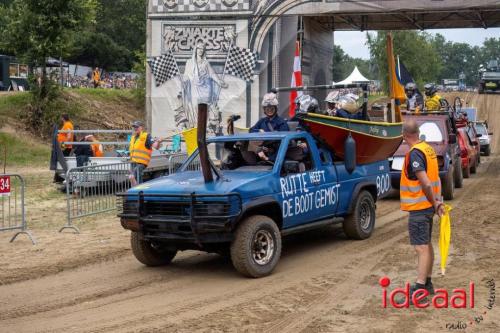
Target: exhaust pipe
202,143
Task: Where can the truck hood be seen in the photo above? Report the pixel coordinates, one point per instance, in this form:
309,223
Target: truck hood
192,182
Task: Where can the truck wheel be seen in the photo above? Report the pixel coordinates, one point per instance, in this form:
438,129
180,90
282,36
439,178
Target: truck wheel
473,168
448,186
256,247
466,172
149,254
361,222
487,152
458,177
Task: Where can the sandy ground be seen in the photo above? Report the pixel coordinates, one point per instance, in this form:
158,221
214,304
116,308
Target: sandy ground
324,283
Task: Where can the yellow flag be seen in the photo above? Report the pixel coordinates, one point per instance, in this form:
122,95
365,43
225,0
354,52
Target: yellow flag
444,237
190,136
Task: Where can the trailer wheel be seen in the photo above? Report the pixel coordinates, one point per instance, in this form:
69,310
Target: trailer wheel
149,254
361,222
448,185
256,247
458,177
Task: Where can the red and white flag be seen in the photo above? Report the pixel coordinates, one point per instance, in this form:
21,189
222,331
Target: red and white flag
296,79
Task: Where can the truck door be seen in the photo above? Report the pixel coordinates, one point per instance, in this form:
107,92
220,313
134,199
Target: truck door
327,196
303,180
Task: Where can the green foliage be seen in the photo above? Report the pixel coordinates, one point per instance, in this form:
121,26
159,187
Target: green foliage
105,95
36,30
414,49
100,50
140,68
14,103
22,152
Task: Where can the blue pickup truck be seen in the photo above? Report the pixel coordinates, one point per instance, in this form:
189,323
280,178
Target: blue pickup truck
267,185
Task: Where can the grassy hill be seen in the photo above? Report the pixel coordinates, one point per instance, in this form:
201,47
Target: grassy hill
92,109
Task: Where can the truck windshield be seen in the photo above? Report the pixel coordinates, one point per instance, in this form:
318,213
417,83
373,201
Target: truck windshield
241,155
430,132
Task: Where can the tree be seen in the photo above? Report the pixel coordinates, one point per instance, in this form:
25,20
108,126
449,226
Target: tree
36,30
414,49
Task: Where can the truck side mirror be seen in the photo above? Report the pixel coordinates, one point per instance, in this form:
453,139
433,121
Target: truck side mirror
290,167
452,138
490,133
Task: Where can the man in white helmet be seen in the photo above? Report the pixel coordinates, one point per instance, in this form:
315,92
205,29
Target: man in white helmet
271,122
331,103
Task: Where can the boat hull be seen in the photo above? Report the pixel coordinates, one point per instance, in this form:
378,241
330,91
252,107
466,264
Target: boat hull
375,141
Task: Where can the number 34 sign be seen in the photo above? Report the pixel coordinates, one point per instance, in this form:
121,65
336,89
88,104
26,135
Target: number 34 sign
4,186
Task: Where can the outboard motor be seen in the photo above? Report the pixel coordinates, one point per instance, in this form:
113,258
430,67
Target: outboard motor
350,153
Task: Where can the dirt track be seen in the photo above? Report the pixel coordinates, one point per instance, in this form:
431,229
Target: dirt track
323,283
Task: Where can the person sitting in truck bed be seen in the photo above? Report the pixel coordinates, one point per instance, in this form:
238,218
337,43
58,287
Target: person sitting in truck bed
348,108
433,102
271,122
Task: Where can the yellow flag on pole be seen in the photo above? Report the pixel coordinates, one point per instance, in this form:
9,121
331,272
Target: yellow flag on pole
444,236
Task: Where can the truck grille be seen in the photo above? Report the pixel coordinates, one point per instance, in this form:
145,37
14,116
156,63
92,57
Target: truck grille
181,207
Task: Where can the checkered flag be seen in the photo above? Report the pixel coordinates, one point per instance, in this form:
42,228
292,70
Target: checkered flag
163,68
241,62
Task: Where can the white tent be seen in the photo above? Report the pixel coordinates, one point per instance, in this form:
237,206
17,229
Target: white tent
354,77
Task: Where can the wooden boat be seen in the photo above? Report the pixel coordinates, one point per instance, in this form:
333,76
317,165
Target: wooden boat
375,141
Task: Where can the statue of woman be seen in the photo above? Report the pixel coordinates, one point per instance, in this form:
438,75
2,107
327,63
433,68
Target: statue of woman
201,83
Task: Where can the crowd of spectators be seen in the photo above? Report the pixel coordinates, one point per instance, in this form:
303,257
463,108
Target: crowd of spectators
106,81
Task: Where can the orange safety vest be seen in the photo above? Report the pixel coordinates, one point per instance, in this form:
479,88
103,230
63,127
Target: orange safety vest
96,76
97,150
410,191
138,151
63,137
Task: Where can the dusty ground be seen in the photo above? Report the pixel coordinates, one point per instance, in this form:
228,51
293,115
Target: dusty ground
323,283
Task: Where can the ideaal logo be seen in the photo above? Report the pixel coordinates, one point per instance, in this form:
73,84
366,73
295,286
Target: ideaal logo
459,298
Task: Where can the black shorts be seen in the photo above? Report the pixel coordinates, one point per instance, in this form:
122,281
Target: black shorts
420,226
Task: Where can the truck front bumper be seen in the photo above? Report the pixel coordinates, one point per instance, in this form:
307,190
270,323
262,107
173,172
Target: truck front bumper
192,219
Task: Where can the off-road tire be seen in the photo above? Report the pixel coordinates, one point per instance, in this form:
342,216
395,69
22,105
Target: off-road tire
473,168
487,152
147,254
356,225
244,246
448,186
458,177
466,172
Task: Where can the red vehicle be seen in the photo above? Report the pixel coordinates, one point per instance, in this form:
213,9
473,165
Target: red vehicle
468,152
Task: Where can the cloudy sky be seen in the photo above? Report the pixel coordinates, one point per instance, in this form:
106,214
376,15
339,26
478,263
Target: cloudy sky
353,42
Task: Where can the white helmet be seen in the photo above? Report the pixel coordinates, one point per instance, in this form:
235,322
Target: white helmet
270,99
348,104
352,96
332,97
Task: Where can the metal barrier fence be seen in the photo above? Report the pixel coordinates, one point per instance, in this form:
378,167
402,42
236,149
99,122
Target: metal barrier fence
91,190
12,209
